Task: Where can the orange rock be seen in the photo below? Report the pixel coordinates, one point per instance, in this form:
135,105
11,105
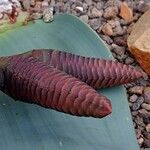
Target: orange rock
107,29
125,12
139,41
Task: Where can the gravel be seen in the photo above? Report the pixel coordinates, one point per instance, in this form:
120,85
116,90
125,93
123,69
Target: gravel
104,17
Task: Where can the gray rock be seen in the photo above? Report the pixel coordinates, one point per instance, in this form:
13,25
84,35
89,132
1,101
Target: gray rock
118,49
95,23
133,98
110,12
95,13
120,41
84,18
136,105
129,60
146,143
107,39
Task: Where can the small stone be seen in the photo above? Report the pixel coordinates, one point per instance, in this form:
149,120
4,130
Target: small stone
125,12
119,50
140,141
118,30
36,15
146,106
26,4
147,143
48,14
138,133
120,41
107,29
107,39
148,128
129,60
84,18
95,13
147,95
136,105
143,6
80,9
89,2
139,121
136,89
95,23
133,98
114,22
143,113
110,12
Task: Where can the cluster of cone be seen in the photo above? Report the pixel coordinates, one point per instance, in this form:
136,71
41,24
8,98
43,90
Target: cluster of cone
63,81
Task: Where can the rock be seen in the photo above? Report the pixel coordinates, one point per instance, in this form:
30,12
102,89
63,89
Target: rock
139,41
95,23
48,14
140,141
143,6
114,22
147,95
84,18
110,12
139,121
146,143
146,106
118,30
143,113
148,128
120,41
80,9
95,13
133,98
129,60
107,29
89,2
119,50
136,90
107,39
138,133
136,105
125,12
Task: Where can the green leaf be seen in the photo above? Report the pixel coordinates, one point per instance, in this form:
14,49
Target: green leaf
30,127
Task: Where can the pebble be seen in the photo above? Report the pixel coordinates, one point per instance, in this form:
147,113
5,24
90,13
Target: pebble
95,23
129,60
110,12
136,105
147,95
48,14
107,39
133,98
120,41
95,13
125,12
119,50
140,141
148,128
147,143
84,18
107,29
143,5
136,90
146,106
80,9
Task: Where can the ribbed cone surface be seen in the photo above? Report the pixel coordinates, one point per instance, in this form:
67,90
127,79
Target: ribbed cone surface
95,72
30,80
